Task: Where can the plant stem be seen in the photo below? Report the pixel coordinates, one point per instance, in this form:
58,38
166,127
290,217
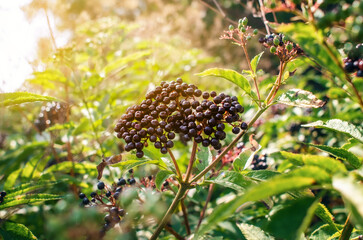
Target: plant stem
210,191
182,189
185,215
225,151
175,164
265,22
191,162
347,230
277,83
172,231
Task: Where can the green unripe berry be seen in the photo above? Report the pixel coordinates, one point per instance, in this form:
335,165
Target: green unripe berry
289,47
240,22
243,29
248,38
284,39
231,27
255,32
273,49
276,41
244,21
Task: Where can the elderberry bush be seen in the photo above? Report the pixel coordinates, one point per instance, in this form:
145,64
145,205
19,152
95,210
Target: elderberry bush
179,108
353,63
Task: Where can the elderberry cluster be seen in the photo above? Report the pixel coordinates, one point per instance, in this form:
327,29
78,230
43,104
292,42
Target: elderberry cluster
52,113
281,47
2,196
175,108
354,62
259,163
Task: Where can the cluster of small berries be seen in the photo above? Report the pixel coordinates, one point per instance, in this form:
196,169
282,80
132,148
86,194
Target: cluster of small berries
354,62
243,31
259,163
106,198
281,47
173,108
2,196
52,113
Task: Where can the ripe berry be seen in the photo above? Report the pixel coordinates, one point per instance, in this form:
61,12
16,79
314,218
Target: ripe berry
244,125
349,67
132,181
108,194
93,194
139,154
82,195
114,211
121,182
101,185
3,193
360,73
236,130
116,195
85,201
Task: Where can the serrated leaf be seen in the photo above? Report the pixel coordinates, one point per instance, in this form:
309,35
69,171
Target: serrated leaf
27,199
323,213
229,75
251,232
169,164
232,180
80,168
352,193
245,158
341,154
300,98
15,231
351,143
161,176
125,165
323,232
9,99
339,126
28,187
204,157
255,61
262,174
312,44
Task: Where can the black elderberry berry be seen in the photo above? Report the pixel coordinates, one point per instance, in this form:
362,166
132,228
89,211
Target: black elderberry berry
121,212
85,201
244,125
349,67
121,182
101,185
220,126
82,195
108,218
220,135
108,194
139,154
3,194
208,130
93,200
166,183
114,211
132,181
205,95
163,150
171,135
116,195
169,144
205,142
150,177
93,194
198,139
236,130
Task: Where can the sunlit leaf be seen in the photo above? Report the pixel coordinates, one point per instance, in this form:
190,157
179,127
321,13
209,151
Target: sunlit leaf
125,165
300,98
9,99
15,231
339,126
251,232
229,75
28,199
255,60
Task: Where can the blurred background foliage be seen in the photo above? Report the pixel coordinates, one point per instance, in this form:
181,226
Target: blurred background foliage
118,50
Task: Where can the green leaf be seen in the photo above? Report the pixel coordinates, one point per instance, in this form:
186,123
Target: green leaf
262,174
339,126
161,176
300,98
352,193
302,210
125,165
204,157
67,167
251,232
323,232
312,44
27,199
351,143
323,213
232,180
32,186
120,63
230,75
255,61
244,159
9,99
341,154
15,231
169,164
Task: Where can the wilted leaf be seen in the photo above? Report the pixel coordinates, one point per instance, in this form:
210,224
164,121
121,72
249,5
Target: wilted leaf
300,98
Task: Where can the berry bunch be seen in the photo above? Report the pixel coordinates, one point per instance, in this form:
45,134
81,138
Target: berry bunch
354,62
2,196
281,47
243,32
259,163
176,108
53,112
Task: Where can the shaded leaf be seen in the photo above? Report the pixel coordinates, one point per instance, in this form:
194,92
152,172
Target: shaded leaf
300,98
28,187
324,232
15,231
229,75
262,174
9,99
251,232
339,126
245,158
341,153
323,213
161,176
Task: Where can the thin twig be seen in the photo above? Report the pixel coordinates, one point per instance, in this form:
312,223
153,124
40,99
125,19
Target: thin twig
210,191
185,215
50,29
172,231
216,11
219,8
175,164
265,22
191,162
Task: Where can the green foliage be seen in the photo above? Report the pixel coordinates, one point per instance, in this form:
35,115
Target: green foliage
15,231
251,232
10,99
300,98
